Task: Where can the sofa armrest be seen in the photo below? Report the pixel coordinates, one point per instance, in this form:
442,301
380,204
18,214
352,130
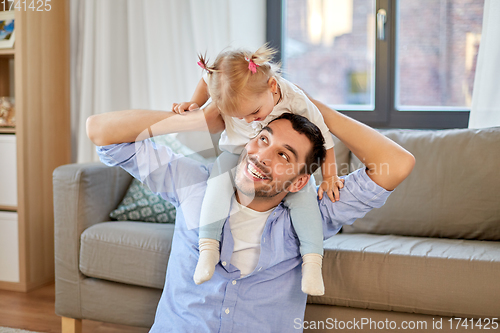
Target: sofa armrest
84,195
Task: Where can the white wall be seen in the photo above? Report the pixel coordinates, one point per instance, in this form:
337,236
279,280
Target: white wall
249,18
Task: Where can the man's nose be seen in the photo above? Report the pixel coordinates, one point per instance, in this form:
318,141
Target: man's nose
263,155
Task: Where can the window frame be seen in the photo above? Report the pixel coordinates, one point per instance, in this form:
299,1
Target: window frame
385,114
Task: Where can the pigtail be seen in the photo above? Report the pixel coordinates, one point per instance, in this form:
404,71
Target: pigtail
263,58
203,63
263,55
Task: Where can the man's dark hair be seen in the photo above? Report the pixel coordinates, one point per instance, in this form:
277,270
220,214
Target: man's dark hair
316,156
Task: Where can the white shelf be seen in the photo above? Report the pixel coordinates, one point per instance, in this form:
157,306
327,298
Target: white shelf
8,171
9,247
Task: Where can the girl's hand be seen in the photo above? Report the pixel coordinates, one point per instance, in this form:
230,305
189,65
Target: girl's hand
331,186
181,108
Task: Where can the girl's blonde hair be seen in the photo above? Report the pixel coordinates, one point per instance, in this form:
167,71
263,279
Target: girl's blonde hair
233,77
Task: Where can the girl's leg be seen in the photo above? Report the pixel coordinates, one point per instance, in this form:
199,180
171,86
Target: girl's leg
214,211
307,222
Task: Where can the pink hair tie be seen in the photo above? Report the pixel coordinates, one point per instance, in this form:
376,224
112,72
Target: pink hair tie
202,65
252,66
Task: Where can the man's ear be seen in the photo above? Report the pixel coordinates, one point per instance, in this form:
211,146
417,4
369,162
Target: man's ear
299,183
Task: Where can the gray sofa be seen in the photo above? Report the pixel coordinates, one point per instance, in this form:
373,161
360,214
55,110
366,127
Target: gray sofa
431,253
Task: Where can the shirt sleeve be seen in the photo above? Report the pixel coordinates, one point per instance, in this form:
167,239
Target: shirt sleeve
172,176
359,195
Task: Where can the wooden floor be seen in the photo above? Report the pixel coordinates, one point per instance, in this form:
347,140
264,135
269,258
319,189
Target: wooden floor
34,311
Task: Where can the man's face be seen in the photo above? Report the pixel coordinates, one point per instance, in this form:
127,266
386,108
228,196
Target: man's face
271,162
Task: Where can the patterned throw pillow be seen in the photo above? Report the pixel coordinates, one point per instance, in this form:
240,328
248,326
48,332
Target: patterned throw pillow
140,204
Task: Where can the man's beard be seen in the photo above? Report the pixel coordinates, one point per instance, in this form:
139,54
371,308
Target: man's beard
268,190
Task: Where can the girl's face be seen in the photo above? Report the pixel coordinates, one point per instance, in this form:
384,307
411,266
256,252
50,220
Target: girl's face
257,109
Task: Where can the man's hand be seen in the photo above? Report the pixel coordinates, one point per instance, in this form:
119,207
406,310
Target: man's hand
331,186
181,108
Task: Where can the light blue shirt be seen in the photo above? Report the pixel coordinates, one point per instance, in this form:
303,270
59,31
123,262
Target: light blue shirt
267,300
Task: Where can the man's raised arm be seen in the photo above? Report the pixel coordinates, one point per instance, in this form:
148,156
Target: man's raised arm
372,148
137,125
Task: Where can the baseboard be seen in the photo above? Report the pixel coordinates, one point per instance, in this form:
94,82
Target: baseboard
13,286
23,287
41,283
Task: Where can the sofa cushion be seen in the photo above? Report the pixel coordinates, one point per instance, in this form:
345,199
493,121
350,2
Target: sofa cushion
128,252
452,191
342,156
446,277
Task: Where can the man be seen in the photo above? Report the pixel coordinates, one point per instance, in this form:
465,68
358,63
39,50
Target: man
265,295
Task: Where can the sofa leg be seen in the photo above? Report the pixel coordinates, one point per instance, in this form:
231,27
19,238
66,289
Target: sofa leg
70,325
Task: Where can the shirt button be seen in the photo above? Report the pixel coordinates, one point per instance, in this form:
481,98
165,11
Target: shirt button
224,263
234,282
260,268
227,311
264,240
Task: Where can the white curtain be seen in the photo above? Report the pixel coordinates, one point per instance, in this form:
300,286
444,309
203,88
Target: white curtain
142,53
485,108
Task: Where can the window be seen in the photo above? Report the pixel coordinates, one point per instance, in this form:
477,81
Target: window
388,63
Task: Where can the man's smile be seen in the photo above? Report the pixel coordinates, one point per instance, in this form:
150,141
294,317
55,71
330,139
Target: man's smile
255,171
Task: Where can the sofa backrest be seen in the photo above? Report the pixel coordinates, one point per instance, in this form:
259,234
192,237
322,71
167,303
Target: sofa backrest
453,191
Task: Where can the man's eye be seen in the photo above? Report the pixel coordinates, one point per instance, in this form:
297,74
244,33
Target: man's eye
285,156
263,138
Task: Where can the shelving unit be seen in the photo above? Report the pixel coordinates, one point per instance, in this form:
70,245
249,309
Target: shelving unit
8,52
40,142
7,130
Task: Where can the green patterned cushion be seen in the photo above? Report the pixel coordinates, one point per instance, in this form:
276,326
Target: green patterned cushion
140,204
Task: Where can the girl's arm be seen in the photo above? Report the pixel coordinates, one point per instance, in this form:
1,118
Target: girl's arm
331,182
200,97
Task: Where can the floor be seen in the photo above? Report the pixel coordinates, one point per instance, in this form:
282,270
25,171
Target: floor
34,311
